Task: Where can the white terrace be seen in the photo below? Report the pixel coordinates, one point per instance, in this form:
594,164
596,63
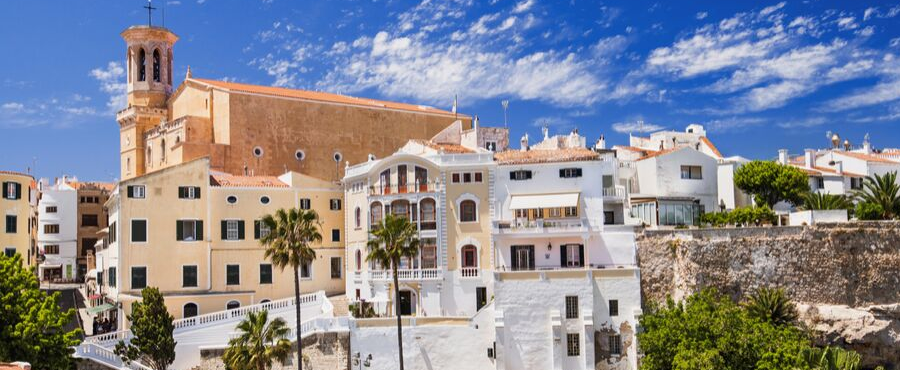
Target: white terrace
213,330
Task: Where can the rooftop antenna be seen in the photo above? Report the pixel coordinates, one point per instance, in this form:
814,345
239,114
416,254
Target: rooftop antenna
150,10
505,104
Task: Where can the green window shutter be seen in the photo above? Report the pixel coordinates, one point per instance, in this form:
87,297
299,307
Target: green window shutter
256,229
18,191
224,229
563,256
181,191
197,192
241,230
5,187
179,230
130,191
199,224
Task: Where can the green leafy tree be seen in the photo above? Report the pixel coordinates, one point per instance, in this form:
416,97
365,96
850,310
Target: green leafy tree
771,182
881,190
868,211
771,305
289,244
825,201
392,239
752,216
710,331
152,343
32,326
831,358
259,344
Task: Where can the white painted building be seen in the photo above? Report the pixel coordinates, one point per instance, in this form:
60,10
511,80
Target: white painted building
566,284
106,274
730,196
57,230
444,187
672,177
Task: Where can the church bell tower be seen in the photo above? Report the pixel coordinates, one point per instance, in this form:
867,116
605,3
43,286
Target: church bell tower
149,80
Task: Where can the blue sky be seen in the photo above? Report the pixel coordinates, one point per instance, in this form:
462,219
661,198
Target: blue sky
760,75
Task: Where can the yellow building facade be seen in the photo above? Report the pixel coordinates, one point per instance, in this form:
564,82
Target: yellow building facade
18,204
194,233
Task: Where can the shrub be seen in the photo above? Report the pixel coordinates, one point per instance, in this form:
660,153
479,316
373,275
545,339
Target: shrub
869,211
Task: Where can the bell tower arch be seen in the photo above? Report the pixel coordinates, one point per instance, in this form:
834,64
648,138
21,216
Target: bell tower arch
148,58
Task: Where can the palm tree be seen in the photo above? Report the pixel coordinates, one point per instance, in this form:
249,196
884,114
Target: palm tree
831,358
882,190
288,243
825,201
392,239
259,344
771,305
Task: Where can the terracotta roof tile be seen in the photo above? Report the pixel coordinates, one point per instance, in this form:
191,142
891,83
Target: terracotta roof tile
535,156
658,153
233,181
446,148
321,96
711,146
832,171
866,157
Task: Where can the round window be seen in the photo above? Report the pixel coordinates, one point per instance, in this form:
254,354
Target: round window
231,199
299,154
264,200
258,151
338,156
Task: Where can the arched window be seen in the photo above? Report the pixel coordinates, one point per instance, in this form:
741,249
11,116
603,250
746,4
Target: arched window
189,310
400,208
156,62
358,260
232,305
467,211
375,210
265,301
142,66
130,67
357,216
469,256
169,67
427,214
162,154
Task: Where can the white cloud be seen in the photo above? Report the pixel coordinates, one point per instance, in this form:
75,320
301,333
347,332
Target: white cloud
771,9
733,124
112,82
880,93
523,6
173,2
847,23
702,15
869,12
13,106
635,127
804,123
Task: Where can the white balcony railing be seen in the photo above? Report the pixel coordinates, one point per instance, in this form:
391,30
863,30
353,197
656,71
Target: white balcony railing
540,226
469,272
406,274
617,192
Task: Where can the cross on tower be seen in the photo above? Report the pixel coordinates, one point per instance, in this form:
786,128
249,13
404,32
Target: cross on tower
150,10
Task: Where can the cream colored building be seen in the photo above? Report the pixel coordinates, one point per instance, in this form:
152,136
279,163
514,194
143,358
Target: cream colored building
18,204
194,233
444,187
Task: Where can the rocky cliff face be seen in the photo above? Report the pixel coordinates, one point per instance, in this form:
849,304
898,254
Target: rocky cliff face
846,277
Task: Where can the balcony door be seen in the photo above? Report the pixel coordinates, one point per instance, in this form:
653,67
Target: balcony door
401,178
422,178
406,306
571,255
522,257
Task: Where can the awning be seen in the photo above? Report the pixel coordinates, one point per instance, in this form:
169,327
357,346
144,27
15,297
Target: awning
94,296
544,201
50,266
100,308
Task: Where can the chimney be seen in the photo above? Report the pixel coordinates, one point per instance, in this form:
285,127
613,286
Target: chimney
867,146
546,131
783,156
475,123
809,158
601,143
524,143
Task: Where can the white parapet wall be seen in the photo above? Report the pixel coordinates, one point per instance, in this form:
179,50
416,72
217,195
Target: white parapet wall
812,217
459,343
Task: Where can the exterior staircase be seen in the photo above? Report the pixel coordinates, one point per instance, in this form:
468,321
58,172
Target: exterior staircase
341,305
215,329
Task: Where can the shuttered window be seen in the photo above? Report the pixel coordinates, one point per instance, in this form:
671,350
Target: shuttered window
188,192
